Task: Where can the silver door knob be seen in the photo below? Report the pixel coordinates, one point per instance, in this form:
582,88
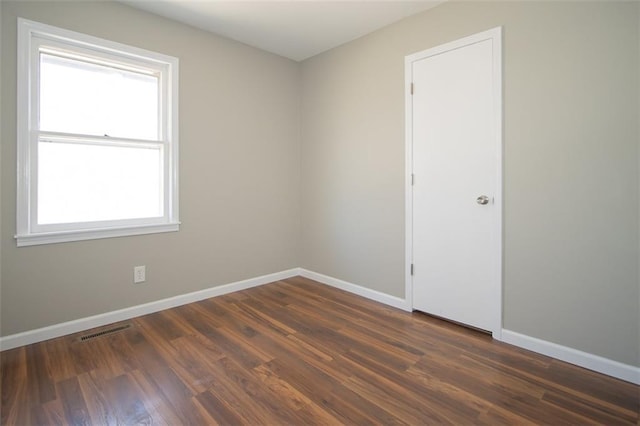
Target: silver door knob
482,200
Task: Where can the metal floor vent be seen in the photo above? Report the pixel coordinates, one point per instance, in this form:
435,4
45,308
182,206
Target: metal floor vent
104,332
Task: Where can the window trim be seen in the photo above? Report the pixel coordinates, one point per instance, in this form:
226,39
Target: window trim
30,37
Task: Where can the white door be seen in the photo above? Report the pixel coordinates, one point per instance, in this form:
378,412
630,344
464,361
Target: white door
455,131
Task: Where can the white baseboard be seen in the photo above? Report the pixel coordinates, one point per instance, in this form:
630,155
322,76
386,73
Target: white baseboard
62,329
597,363
378,296
583,359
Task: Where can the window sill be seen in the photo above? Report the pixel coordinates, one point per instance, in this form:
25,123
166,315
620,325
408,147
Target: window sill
92,234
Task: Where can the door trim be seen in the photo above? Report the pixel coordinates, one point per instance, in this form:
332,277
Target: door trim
495,35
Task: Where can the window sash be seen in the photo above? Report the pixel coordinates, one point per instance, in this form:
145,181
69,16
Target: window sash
104,142
91,71
101,56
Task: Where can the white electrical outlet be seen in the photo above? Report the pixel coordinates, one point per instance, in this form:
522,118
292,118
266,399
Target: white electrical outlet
139,274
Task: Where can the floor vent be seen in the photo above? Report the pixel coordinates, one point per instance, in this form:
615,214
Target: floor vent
104,332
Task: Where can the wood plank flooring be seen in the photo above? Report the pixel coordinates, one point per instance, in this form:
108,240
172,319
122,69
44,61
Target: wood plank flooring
300,353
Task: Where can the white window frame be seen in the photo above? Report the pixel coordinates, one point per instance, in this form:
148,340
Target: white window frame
32,36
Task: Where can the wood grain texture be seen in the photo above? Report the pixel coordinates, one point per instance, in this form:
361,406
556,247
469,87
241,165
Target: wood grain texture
297,352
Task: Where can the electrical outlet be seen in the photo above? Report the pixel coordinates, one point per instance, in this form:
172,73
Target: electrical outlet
139,274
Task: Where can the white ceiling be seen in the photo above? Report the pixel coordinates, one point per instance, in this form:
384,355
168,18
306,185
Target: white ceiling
295,29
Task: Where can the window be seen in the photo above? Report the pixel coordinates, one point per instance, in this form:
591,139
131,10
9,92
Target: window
97,138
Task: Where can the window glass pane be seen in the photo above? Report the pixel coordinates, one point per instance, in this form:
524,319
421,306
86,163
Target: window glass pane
81,97
84,183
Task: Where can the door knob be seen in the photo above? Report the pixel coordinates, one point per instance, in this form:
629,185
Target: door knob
482,200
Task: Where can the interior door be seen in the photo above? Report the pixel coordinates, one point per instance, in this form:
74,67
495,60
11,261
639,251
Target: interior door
456,192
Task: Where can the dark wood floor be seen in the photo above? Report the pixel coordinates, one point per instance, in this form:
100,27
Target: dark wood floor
297,352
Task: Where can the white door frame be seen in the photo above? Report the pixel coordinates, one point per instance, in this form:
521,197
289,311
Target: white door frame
495,35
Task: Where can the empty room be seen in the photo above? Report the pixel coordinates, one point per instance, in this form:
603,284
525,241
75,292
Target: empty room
319,212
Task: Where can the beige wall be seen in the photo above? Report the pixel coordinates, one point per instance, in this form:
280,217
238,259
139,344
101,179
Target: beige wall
239,176
570,163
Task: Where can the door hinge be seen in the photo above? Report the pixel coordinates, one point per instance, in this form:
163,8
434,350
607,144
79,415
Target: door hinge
411,88
412,269
413,179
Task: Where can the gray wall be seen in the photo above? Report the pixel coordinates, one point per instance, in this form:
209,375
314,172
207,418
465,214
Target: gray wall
239,176
1,202
570,154
257,198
